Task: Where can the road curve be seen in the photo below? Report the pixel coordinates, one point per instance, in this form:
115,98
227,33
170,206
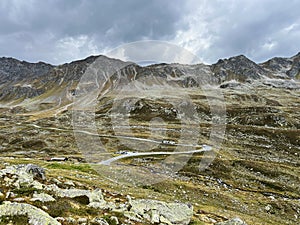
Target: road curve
205,148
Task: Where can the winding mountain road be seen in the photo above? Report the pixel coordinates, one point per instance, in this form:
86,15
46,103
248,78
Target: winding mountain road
205,148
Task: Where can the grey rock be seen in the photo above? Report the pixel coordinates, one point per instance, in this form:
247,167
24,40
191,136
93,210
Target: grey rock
234,221
24,175
281,83
60,219
100,221
158,211
19,199
232,84
82,220
36,171
56,181
42,197
69,183
95,197
71,220
35,215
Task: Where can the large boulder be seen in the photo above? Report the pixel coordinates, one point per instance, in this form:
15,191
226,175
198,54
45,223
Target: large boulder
93,198
42,197
160,212
234,221
25,175
36,171
35,215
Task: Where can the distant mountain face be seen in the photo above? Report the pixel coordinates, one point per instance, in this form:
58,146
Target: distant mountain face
20,80
238,68
283,67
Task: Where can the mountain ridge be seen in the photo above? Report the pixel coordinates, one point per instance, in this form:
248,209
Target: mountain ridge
22,81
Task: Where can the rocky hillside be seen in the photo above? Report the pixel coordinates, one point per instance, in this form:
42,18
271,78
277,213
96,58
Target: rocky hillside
28,195
283,67
23,80
51,166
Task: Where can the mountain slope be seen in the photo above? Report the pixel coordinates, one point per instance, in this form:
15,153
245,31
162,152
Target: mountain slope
253,170
55,84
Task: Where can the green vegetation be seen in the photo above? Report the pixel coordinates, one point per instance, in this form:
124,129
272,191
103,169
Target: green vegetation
27,191
85,168
16,220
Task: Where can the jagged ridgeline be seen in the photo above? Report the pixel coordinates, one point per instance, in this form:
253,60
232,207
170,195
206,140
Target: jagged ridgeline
47,85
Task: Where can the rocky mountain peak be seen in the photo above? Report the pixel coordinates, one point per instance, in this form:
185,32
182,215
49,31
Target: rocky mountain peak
13,69
238,68
280,67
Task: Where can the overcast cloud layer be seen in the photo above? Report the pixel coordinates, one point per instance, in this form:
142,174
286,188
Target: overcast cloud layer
58,31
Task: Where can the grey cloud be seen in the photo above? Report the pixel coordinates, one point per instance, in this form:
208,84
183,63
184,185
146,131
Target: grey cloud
245,26
108,23
59,31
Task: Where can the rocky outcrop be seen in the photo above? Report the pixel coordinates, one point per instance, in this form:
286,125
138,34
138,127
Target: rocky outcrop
280,83
283,67
22,77
160,212
93,198
34,214
36,171
238,68
14,70
235,221
25,175
42,197
139,210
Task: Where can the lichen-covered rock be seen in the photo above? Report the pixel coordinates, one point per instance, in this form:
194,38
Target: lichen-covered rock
160,212
36,171
35,215
99,221
24,175
95,197
234,221
42,197
82,220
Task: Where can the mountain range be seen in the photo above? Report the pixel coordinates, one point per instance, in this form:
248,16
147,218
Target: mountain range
99,108
21,80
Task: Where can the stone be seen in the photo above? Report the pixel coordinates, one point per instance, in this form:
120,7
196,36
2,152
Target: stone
42,197
60,219
99,221
268,208
158,211
82,220
35,215
9,195
71,220
36,171
234,221
155,218
24,175
95,197
19,199
56,181
69,183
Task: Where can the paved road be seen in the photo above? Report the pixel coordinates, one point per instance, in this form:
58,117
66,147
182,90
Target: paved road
205,148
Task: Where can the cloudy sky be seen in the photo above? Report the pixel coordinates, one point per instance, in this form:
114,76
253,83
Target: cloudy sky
58,31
